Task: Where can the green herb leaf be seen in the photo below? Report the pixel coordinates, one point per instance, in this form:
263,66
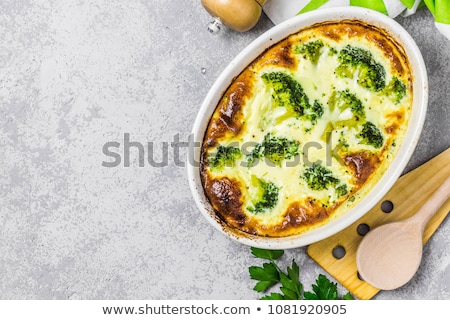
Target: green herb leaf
287,282
262,286
267,272
273,296
266,254
294,275
348,296
324,289
291,288
289,294
294,271
310,296
267,276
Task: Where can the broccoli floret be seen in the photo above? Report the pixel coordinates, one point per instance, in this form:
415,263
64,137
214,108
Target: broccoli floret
318,177
346,99
371,135
395,90
343,141
276,149
341,190
288,92
310,50
314,113
225,156
371,74
332,51
266,197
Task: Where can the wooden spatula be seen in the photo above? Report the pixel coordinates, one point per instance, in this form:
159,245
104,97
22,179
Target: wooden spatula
389,255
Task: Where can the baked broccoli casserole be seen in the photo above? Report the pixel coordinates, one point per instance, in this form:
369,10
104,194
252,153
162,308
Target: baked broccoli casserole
307,129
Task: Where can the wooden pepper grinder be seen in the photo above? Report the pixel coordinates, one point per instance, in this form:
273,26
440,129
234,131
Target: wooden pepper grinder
239,15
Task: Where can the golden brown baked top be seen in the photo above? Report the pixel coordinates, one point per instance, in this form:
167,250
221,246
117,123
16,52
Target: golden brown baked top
307,129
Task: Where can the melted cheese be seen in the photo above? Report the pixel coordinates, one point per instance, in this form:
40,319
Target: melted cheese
249,111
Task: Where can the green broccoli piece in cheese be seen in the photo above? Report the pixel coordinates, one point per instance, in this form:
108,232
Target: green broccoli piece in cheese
371,135
314,113
371,74
395,90
288,92
274,148
310,50
344,100
266,196
341,190
317,177
224,156
332,51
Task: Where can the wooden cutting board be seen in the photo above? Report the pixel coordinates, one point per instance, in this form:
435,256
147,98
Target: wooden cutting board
403,200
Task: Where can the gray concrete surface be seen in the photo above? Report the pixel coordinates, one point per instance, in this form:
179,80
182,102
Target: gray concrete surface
75,75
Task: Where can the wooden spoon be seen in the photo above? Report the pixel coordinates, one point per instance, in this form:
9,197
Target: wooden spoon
389,255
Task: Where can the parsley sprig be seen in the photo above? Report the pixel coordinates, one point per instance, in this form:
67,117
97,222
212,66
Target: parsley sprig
291,288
